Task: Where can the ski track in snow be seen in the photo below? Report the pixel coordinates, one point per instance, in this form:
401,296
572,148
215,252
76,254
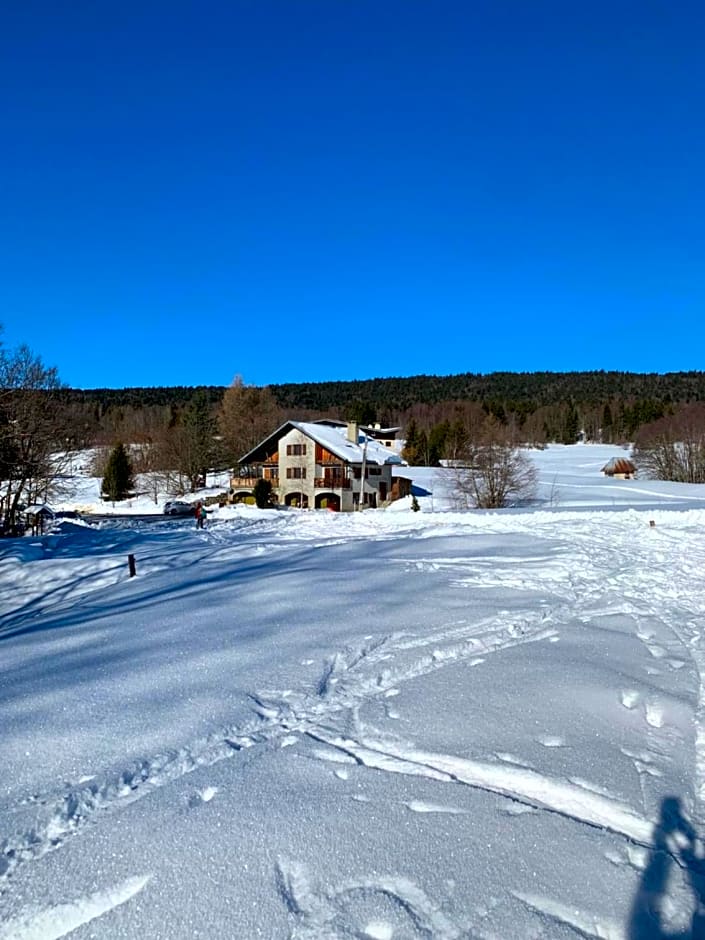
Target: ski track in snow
655,583
58,921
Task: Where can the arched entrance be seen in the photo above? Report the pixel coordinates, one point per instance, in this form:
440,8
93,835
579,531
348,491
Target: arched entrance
296,500
328,501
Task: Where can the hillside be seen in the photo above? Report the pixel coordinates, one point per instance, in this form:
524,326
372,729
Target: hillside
608,406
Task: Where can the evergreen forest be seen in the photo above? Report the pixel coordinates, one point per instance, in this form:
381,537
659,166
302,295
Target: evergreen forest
538,407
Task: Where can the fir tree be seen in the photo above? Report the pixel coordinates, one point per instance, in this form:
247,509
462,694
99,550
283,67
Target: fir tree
117,481
263,494
412,444
195,440
362,412
607,424
571,425
437,438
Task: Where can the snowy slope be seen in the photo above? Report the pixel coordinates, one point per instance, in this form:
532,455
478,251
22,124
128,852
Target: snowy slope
382,725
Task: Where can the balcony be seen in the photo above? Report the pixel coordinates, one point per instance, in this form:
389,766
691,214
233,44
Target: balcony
247,483
331,483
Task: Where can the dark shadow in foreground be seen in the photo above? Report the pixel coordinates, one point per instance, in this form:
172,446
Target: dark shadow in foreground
676,847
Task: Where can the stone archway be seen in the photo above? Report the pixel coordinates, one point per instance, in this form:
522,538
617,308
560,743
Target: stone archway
296,500
328,501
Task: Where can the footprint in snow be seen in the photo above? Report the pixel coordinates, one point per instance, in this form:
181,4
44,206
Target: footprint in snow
654,715
201,796
629,698
643,762
551,740
421,806
517,809
378,930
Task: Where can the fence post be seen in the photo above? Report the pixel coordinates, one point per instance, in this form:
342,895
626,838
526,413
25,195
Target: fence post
131,565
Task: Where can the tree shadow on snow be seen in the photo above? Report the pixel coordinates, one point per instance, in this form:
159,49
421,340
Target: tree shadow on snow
676,850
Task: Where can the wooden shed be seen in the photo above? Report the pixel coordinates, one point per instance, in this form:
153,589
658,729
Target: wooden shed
37,518
619,467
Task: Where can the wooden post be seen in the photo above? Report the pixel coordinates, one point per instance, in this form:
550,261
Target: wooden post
131,565
652,523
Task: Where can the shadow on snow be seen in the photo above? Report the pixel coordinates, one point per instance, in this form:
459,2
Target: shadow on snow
675,849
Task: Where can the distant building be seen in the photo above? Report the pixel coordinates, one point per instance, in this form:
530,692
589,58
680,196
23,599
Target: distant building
619,467
37,517
319,465
386,436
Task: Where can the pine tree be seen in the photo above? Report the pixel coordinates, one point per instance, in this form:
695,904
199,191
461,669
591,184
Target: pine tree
196,441
263,494
410,451
362,412
571,425
117,481
607,424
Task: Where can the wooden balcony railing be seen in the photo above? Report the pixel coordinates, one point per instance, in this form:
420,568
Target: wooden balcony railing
249,482
331,483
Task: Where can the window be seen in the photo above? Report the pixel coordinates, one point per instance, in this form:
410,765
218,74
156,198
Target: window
296,473
295,450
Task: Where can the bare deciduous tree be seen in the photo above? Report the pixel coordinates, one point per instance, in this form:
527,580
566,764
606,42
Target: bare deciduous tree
35,447
151,465
492,471
673,448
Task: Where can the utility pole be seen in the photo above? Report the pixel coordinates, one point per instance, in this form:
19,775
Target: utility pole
362,472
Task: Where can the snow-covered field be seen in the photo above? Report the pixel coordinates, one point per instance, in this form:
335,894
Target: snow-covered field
384,725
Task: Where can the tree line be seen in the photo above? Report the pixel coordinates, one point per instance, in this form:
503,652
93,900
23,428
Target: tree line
545,406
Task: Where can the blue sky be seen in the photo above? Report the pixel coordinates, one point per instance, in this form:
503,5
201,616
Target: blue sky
306,190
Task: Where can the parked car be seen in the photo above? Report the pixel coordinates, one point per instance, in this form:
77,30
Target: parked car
177,507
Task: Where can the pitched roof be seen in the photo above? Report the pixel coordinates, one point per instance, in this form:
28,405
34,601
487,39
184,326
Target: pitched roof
335,441
619,465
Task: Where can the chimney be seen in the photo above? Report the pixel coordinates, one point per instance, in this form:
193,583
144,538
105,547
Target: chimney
353,432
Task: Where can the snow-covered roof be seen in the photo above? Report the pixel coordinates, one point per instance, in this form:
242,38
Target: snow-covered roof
335,441
373,429
36,508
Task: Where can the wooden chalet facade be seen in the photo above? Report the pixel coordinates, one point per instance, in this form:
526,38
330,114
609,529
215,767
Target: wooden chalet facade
318,466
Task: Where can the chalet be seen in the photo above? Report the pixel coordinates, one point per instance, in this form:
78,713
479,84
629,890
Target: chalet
620,468
318,465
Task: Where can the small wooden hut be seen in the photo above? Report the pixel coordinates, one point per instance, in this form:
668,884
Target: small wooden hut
620,468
